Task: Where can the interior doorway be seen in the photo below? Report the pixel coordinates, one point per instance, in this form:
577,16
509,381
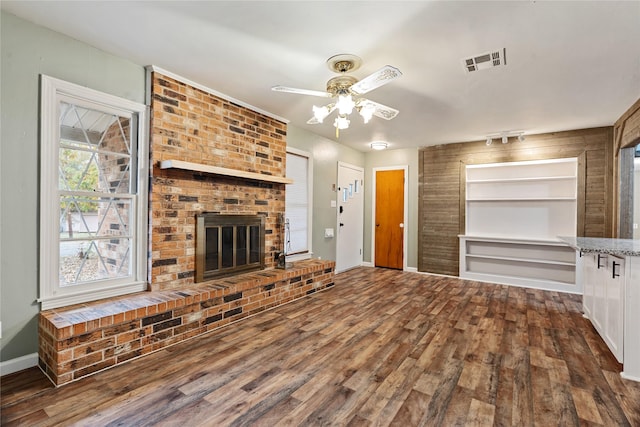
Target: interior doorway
350,217
389,217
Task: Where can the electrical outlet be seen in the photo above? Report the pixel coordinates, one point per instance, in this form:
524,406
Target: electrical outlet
635,226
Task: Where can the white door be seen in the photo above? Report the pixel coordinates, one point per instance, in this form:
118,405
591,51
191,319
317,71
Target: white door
350,221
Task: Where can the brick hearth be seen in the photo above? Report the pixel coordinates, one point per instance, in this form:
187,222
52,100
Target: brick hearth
80,340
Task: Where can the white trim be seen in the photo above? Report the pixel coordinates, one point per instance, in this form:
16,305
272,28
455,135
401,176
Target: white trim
411,269
309,158
91,295
299,257
405,186
51,294
367,264
156,69
18,364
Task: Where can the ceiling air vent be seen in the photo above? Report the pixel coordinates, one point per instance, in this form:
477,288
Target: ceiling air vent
486,60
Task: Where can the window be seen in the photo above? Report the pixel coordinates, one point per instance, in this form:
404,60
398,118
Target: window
93,195
298,205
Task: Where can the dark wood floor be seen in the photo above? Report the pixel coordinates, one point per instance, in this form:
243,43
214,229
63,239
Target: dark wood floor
382,347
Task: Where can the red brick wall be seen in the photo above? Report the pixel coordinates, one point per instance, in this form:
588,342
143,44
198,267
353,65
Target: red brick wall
192,125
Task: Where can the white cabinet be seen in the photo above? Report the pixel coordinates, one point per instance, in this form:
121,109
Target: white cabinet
543,264
614,299
514,213
603,298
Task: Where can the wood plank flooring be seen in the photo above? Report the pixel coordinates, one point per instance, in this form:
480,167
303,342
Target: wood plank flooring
382,347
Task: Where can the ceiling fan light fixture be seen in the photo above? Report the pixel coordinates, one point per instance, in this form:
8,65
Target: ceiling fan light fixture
366,111
320,113
345,104
378,145
341,122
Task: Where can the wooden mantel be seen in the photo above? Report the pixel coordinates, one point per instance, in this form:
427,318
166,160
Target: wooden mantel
199,167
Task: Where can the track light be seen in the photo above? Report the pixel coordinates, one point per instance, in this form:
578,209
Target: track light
504,137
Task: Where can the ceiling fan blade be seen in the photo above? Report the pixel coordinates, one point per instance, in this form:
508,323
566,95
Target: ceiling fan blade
381,77
379,110
301,91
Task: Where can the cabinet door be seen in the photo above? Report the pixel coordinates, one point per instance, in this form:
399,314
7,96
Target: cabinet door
599,314
614,296
589,272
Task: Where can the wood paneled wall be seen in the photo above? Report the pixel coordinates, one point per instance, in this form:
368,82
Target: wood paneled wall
441,208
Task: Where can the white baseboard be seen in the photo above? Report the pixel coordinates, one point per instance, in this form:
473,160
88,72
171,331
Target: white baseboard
411,270
367,264
18,364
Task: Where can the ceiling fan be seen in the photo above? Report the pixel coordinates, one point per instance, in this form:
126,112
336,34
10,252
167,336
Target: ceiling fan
346,90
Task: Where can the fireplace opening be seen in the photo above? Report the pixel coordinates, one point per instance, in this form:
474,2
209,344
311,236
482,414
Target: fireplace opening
228,244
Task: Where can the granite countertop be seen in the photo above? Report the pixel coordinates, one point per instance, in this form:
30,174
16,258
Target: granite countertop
619,247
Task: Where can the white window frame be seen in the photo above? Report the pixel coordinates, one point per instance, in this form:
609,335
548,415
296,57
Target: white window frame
52,295
308,254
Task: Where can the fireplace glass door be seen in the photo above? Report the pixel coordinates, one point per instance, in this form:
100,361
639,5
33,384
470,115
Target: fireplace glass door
228,244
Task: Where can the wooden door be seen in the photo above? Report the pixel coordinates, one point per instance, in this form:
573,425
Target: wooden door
389,238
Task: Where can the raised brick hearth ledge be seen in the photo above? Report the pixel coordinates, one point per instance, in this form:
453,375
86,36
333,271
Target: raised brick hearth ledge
80,340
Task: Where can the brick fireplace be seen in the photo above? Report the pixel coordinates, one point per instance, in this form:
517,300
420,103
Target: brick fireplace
208,155
191,125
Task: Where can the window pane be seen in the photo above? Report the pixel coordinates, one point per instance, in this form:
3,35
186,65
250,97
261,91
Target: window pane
297,204
82,217
83,261
95,152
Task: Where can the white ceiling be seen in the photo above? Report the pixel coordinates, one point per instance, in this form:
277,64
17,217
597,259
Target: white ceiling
570,65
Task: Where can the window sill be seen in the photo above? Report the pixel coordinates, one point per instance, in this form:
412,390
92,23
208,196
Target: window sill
57,301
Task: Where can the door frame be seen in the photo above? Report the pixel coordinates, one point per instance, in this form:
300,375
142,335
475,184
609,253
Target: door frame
405,220
360,169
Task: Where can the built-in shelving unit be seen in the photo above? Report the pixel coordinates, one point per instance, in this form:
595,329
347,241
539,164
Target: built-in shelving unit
199,167
514,213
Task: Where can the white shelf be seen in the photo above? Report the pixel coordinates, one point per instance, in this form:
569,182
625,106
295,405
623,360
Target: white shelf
514,213
530,179
199,167
535,261
513,239
520,199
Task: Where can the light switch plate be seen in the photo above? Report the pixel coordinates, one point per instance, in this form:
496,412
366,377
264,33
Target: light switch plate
333,204
328,233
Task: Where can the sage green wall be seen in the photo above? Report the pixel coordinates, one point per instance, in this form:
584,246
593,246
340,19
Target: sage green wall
326,154
388,158
28,50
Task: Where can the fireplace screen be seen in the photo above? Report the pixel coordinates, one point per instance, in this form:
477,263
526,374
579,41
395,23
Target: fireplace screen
228,244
